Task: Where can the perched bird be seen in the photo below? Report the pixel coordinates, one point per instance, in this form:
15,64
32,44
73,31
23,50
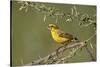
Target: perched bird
59,36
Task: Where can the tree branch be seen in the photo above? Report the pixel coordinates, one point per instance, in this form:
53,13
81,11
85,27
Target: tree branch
53,57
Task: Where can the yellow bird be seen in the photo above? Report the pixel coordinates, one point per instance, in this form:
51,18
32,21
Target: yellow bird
59,36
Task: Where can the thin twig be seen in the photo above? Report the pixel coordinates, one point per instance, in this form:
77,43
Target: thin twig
87,49
90,37
22,62
91,55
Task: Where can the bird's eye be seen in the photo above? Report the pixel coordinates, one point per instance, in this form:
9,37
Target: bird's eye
51,26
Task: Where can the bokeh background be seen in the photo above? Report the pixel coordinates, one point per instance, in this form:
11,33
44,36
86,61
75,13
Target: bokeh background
31,39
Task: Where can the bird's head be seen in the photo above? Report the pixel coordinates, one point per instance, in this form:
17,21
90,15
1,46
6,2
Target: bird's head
52,27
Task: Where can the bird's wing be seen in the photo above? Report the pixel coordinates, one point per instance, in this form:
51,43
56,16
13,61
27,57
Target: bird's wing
65,35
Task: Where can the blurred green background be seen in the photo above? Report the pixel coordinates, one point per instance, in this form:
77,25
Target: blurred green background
31,38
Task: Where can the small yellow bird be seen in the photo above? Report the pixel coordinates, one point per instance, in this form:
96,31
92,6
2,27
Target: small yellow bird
59,36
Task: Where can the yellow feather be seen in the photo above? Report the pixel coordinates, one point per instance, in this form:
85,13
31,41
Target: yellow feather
57,38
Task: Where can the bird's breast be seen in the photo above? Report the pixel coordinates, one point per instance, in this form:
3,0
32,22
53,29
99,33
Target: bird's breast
57,38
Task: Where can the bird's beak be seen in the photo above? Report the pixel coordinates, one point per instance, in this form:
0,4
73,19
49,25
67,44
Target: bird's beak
48,28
